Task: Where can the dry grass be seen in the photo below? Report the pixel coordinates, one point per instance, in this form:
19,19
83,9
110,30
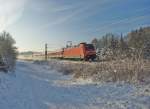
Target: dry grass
123,70
127,70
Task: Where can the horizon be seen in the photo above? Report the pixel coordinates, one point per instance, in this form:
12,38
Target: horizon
32,23
51,50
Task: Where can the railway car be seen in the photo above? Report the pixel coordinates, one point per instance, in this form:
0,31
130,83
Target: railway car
82,51
38,56
55,54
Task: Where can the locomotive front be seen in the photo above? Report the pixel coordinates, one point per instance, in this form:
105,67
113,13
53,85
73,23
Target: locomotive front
90,52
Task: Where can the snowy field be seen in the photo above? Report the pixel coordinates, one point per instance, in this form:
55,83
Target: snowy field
37,87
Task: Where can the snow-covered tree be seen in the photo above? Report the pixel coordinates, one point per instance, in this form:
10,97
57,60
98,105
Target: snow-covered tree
8,52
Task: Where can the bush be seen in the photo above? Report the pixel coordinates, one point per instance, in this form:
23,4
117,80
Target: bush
127,70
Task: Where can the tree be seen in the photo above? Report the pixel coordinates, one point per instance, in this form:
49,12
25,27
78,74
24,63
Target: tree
138,39
114,42
8,52
105,41
95,43
122,44
146,50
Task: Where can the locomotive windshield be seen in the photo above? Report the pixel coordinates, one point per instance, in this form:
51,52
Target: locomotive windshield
89,47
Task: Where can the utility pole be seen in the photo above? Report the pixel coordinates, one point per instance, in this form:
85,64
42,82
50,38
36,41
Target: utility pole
69,44
46,51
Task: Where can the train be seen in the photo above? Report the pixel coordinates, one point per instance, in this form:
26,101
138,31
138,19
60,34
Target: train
82,51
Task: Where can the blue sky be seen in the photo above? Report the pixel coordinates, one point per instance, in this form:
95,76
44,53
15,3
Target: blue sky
35,22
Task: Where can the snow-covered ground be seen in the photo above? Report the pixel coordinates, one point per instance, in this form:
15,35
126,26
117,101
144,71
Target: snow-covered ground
37,87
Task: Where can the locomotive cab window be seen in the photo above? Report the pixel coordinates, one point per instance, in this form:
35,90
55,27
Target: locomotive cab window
89,47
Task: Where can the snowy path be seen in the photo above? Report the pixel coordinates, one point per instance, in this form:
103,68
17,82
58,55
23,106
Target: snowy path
37,87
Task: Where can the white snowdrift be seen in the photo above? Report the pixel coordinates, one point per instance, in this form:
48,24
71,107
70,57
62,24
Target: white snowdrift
37,87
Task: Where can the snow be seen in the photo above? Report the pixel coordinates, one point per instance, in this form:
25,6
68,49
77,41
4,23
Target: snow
35,86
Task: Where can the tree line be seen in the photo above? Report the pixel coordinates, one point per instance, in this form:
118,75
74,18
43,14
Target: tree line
135,44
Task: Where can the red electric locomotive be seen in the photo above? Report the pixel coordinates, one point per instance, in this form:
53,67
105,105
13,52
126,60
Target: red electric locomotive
82,51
